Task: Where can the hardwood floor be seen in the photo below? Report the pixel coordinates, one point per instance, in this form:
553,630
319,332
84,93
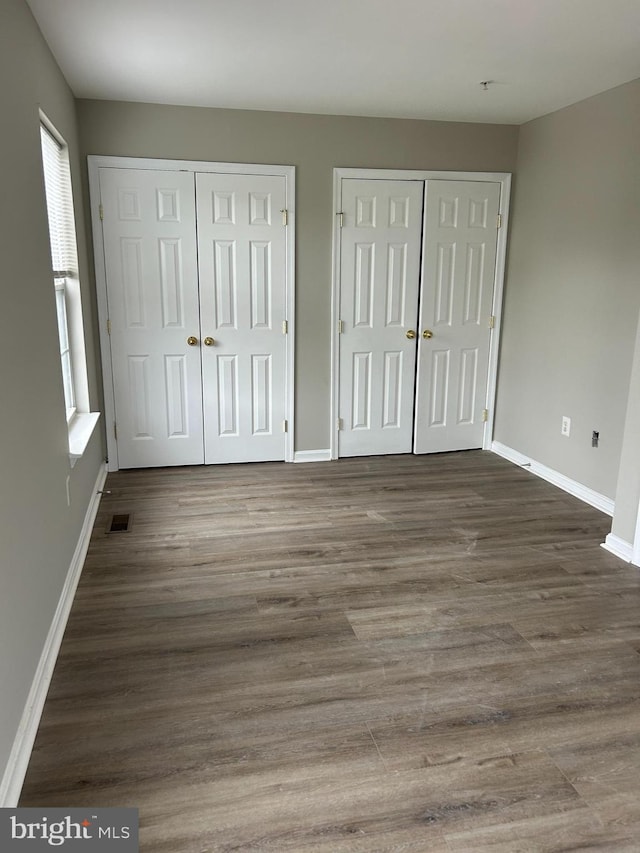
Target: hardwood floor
377,654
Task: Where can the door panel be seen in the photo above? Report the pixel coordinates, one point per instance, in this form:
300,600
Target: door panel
379,274
458,273
152,293
242,258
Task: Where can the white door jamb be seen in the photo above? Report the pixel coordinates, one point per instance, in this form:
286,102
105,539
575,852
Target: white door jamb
635,558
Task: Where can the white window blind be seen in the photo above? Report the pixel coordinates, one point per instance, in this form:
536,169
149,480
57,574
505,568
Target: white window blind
57,180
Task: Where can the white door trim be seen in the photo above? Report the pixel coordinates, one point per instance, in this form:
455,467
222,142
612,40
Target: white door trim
95,163
502,178
635,557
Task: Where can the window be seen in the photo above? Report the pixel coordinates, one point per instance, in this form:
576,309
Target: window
65,348
64,259
57,181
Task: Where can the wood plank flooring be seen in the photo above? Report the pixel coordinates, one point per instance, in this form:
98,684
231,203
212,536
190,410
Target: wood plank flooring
378,654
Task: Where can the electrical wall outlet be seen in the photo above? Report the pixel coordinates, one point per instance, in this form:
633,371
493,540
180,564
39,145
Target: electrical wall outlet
595,438
566,426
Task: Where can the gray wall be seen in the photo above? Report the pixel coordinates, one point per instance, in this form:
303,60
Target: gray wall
572,296
38,532
315,145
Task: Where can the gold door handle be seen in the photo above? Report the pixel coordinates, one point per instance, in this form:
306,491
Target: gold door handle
208,342
427,334
192,341
411,334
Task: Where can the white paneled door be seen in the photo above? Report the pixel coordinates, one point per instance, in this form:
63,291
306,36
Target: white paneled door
459,261
416,295
379,271
242,247
149,233
195,266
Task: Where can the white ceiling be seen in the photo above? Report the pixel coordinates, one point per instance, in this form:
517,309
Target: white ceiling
395,58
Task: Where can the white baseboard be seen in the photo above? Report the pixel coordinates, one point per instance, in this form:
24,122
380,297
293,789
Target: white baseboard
16,769
619,547
595,499
312,456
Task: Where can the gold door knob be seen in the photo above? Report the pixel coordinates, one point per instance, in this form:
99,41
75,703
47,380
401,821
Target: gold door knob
411,334
208,342
192,341
427,334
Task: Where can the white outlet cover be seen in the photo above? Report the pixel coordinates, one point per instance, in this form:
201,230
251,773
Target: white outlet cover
566,426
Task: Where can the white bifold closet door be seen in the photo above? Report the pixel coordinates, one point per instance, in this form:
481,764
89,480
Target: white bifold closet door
241,250
149,232
380,272
459,260
416,295
196,289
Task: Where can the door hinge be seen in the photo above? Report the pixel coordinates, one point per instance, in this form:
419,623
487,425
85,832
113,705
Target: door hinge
339,423
115,430
341,215
492,322
101,211
485,415
285,426
499,223
285,216
108,327
341,327
285,327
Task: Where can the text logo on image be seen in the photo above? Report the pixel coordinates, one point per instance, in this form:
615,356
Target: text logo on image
36,830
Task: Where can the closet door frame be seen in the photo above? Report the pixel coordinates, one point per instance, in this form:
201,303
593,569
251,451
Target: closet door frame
502,178
95,163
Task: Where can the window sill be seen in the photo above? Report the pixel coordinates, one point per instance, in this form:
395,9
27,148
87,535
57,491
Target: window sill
80,431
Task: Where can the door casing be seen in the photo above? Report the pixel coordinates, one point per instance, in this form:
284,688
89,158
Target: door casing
95,163
502,178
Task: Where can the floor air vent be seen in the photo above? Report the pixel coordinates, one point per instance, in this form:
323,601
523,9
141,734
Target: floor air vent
120,523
